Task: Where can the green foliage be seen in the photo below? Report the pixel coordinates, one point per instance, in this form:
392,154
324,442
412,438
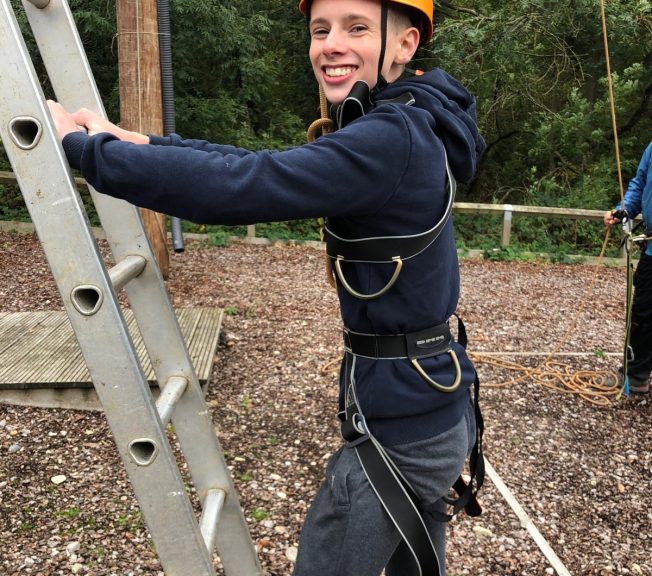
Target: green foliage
538,70
297,230
500,254
238,92
231,310
12,205
219,237
71,512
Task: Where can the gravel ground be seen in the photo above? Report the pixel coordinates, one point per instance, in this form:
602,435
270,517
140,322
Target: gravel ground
580,470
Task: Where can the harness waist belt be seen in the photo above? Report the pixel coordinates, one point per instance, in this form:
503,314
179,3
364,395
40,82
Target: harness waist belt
423,344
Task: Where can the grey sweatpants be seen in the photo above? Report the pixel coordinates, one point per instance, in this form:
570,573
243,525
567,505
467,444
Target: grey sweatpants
347,531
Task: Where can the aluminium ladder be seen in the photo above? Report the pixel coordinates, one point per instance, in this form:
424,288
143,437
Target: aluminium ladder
184,545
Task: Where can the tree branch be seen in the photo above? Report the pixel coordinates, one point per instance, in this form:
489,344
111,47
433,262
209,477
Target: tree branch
451,6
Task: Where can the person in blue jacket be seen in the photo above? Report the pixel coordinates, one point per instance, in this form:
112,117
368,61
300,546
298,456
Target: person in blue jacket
385,180
638,200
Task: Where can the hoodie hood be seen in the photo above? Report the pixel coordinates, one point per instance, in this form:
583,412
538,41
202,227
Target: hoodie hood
453,111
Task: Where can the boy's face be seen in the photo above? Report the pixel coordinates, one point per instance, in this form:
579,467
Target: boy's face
345,42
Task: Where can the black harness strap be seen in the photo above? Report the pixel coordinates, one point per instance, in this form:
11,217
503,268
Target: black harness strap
385,249
424,344
393,491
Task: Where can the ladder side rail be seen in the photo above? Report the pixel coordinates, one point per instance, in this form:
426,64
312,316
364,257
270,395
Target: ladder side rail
46,182
72,80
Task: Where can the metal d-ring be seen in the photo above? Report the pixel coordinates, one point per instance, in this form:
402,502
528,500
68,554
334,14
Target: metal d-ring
458,374
340,275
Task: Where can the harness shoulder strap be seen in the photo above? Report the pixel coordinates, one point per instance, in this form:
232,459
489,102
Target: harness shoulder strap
385,249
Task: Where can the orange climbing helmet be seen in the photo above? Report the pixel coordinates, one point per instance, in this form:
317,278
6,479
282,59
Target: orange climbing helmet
422,8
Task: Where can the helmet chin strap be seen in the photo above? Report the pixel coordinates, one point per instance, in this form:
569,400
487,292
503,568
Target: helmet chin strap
381,83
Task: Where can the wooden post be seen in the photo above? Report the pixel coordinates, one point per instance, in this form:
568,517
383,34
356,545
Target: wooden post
141,106
507,225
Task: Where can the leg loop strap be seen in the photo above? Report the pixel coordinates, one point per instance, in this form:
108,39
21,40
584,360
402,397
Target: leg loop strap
395,494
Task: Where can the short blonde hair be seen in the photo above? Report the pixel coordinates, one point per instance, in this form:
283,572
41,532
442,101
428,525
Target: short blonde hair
399,19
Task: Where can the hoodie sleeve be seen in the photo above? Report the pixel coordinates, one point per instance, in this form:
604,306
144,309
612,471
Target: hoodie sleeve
176,140
350,172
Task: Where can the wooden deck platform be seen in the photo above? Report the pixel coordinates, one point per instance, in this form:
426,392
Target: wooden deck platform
41,363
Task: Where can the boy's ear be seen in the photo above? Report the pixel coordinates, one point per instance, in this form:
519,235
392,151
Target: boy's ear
408,42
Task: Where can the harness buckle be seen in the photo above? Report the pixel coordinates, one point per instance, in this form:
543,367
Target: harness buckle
433,342
354,429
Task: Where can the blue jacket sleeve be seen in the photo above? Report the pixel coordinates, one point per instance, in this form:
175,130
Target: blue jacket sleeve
634,193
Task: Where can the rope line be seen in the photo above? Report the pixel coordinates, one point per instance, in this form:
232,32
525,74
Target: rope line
324,123
612,100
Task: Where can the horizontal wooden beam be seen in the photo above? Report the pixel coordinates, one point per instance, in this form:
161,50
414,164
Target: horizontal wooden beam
9,179
515,209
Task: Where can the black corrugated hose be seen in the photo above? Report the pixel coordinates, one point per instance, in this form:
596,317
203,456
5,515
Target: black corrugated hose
167,95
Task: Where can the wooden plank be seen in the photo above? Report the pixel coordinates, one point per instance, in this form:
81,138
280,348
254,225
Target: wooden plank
14,327
39,349
30,342
541,211
210,334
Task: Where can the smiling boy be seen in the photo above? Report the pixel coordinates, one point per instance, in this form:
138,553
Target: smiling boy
385,180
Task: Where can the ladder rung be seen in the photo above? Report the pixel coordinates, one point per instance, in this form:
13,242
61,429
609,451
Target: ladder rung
211,516
170,394
126,270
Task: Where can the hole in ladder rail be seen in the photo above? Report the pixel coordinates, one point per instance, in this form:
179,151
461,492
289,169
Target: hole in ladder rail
25,131
143,451
87,299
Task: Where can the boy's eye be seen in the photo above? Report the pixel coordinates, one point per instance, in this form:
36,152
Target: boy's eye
356,28
319,32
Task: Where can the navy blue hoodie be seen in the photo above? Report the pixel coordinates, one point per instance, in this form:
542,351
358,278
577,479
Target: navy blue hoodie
383,174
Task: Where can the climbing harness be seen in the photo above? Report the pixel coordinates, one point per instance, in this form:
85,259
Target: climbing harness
630,242
413,346
397,497
394,492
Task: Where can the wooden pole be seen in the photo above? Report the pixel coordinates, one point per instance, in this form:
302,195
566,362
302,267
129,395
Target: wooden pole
141,107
